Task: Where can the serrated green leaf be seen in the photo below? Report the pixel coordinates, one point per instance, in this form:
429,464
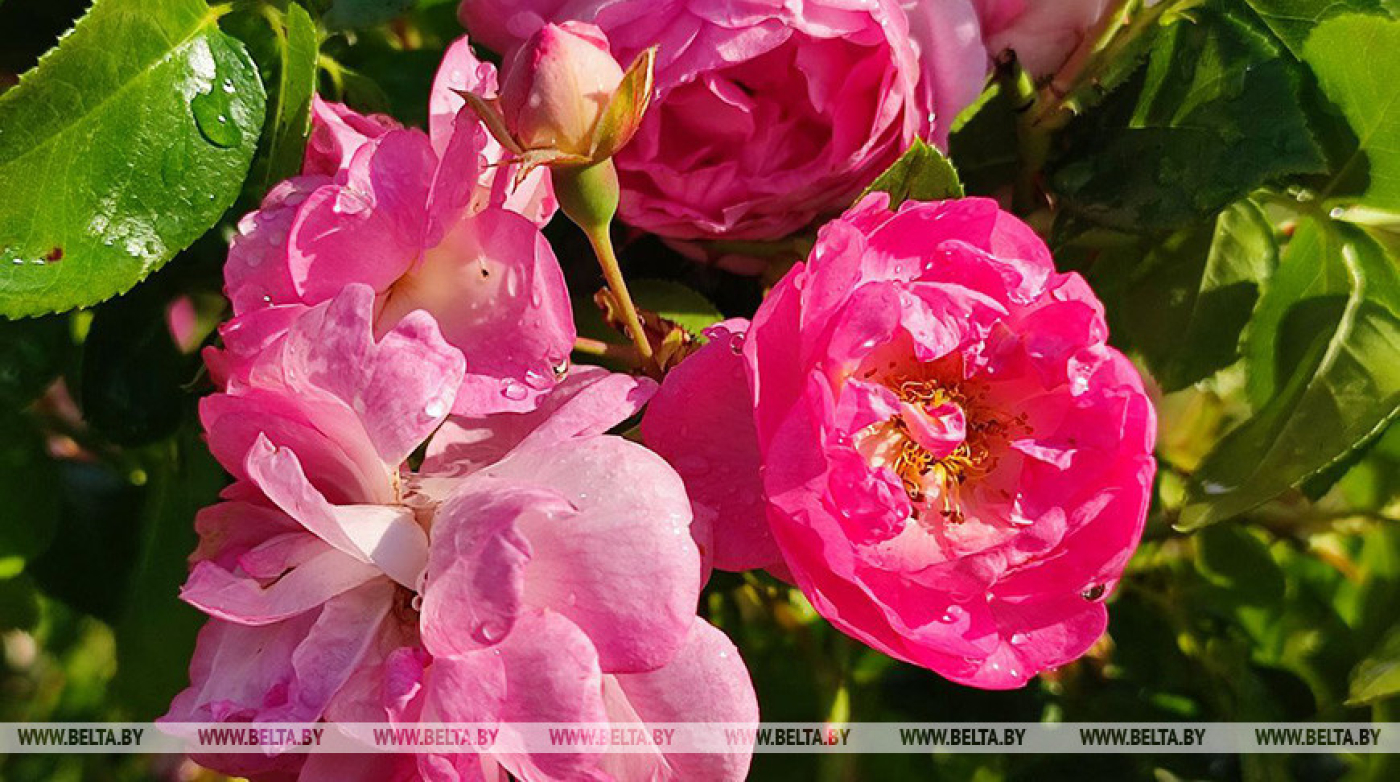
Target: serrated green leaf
676,303
1377,676
922,173
1331,319
1357,62
1294,20
1190,299
1218,115
120,149
288,61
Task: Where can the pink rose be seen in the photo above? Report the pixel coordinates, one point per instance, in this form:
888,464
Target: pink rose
924,428
429,223
533,570
1043,33
767,114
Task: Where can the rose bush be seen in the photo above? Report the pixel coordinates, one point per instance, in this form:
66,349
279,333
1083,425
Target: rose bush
923,428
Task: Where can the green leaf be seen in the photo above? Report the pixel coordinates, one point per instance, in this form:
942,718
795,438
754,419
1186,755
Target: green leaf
1331,318
122,147
676,303
156,630
1293,20
28,504
350,14
1357,62
1218,115
983,143
1189,301
922,173
133,373
1377,676
286,55
32,353
1233,559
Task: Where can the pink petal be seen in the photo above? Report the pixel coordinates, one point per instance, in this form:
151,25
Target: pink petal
623,567
701,421
387,537
706,682
590,400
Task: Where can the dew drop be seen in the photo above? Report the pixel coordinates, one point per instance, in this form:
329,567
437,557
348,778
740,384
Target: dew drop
952,614
1019,639
211,116
435,409
228,85
513,391
560,368
1337,213
1094,592
736,344
489,632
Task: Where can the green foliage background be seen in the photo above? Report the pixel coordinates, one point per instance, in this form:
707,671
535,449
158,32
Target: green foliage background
1226,173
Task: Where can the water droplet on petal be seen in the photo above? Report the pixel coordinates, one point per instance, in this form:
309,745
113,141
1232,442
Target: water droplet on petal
435,409
952,614
736,343
560,368
1019,639
1094,592
513,390
489,632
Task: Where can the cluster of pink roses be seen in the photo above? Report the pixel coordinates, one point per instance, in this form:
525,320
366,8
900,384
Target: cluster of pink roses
528,568
922,427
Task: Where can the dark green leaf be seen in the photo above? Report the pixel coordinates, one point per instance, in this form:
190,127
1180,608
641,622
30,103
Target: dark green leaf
983,143
155,634
32,353
133,373
676,303
1192,296
1357,62
1377,676
19,603
285,48
28,502
1239,563
121,148
920,174
90,559
1217,116
349,14
1331,319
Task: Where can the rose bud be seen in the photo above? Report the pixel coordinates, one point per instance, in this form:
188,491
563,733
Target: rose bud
566,100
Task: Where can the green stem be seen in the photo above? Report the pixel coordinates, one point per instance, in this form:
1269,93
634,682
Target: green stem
612,272
588,195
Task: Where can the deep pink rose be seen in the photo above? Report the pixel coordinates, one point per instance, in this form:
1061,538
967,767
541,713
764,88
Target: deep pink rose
431,223
533,570
1043,33
767,114
954,466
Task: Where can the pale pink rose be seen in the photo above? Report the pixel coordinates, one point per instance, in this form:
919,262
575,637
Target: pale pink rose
425,222
767,114
924,428
557,86
1043,33
534,570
